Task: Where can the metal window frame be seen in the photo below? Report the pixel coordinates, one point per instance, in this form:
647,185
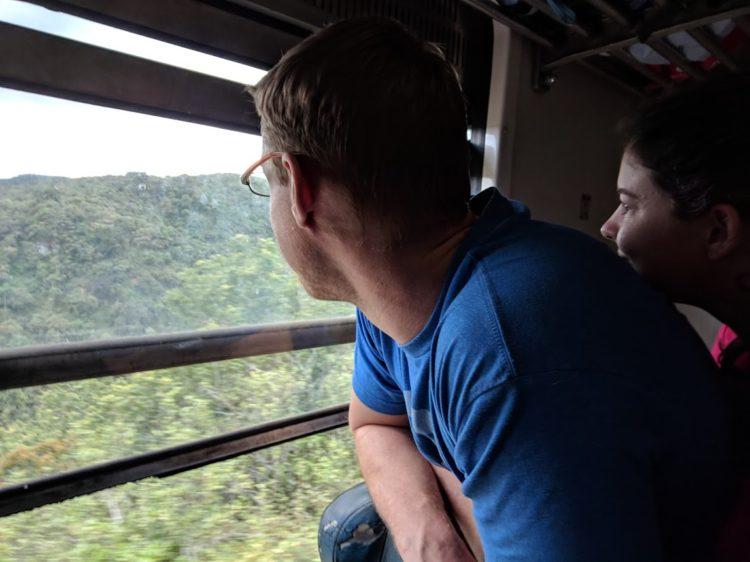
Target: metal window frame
48,364
37,365
41,63
167,462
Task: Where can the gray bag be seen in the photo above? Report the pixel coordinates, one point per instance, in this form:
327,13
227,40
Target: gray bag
352,531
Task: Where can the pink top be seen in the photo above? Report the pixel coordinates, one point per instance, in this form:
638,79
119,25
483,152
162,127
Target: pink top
734,545
724,337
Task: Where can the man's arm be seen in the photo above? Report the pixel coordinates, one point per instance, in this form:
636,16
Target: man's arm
461,509
404,488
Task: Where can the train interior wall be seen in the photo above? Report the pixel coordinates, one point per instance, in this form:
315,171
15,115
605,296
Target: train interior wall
558,151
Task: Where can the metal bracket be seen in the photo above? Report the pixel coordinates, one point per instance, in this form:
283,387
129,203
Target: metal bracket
541,80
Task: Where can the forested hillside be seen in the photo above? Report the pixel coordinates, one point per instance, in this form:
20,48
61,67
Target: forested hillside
88,258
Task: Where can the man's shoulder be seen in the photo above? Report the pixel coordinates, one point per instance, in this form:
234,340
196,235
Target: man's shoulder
526,268
543,293
469,337
531,243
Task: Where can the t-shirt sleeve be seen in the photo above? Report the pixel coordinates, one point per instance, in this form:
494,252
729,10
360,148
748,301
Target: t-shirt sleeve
372,382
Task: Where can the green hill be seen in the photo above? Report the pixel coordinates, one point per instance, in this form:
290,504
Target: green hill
97,257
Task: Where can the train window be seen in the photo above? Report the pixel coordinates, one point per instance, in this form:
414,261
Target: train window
129,247
115,223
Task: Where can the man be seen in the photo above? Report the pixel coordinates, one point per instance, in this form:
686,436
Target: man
520,361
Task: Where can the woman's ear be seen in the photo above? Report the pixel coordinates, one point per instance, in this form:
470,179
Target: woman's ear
302,189
724,231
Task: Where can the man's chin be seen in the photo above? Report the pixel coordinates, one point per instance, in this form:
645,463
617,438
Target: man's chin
319,292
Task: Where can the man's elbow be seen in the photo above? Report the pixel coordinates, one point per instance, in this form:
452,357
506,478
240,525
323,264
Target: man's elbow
359,424
362,417
354,425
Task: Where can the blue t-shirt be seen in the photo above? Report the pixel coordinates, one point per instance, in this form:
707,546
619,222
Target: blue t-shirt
574,404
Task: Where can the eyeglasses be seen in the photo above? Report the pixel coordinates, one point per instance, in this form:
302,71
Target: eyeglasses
255,178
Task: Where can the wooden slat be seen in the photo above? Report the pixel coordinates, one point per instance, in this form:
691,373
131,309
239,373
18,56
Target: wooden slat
644,70
45,64
711,44
669,52
202,26
37,365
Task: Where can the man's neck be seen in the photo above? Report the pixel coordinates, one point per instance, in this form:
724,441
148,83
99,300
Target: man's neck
397,291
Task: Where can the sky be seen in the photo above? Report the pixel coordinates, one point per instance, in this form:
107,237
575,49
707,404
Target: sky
51,136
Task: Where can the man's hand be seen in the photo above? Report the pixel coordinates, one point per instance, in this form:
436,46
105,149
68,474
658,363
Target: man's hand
404,488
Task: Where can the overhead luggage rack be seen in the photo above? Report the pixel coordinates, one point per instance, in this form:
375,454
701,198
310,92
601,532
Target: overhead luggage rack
647,46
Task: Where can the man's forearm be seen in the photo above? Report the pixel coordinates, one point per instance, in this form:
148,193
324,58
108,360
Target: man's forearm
406,494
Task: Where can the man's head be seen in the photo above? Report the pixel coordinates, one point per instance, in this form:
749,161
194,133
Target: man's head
684,188
372,124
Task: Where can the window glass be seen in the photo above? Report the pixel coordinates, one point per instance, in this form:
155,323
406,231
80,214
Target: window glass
79,29
256,508
114,223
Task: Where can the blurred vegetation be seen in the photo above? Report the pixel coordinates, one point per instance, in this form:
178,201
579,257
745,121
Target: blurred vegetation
98,257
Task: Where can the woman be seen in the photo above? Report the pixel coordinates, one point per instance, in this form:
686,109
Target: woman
683,222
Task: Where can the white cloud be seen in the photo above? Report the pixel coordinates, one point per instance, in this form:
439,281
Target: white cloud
48,136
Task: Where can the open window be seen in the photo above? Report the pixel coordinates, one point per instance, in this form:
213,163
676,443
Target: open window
149,327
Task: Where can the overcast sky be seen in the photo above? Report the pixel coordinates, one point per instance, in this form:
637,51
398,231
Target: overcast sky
50,136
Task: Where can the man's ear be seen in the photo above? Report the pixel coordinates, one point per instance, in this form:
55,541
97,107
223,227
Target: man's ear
302,189
724,231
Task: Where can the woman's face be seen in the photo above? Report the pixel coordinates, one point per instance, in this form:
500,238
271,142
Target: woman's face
666,250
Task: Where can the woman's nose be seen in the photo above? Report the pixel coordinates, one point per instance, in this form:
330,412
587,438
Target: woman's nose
609,229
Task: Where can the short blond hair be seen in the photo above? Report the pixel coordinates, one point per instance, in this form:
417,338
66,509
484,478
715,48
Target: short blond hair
382,113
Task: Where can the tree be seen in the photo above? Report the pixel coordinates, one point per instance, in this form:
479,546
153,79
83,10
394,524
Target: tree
96,257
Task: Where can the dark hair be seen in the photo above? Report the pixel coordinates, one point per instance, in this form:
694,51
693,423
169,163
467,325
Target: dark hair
380,111
697,145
